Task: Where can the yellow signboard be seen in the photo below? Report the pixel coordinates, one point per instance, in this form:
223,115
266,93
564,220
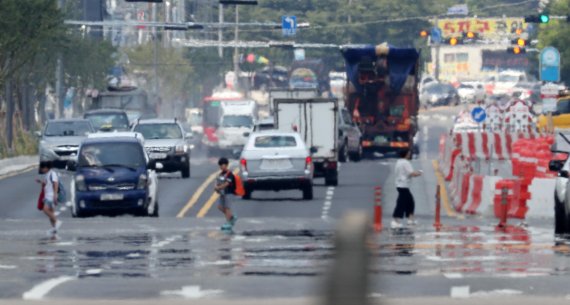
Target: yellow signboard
486,27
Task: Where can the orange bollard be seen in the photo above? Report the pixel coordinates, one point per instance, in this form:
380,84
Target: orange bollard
437,222
504,207
378,209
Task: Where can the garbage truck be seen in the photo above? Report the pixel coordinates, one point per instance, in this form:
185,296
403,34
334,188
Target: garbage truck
382,96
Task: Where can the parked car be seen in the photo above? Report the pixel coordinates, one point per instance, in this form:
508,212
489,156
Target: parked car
60,140
276,161
350,147
113,174
168,143
471,92
108,119
439,95
561,165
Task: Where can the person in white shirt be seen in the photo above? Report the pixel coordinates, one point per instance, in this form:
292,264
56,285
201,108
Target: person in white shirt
405,204
50,184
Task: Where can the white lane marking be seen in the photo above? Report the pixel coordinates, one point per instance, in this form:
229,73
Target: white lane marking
453,276
64,243
496,293
460,292
166,242
57,213
93,271
39,291
8,267
133,255
328,202
191,292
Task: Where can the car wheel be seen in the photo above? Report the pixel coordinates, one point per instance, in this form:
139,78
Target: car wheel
308,192
186,171
343,155
357,156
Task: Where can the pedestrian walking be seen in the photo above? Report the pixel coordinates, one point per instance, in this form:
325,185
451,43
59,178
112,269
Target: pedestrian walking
50,183
225,187
405,204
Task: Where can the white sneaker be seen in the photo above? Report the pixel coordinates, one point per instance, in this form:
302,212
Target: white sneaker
395,225
57,225
51,232
412,222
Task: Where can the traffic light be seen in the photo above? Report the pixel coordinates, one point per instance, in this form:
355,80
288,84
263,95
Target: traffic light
453,41
516,50
470,35
520,42
424,34
537,18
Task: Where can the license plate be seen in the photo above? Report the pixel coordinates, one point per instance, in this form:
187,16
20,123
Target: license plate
64,158
158,156
269,164
380,140
112,197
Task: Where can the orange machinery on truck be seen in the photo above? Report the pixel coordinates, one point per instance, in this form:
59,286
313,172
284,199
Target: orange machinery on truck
382,96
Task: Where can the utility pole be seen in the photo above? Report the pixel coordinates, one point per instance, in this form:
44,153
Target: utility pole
155,52
59,77
437,51
220,33
236,52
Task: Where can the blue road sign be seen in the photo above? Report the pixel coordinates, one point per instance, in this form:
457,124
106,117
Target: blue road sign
478,114
550,65
436,35
289,25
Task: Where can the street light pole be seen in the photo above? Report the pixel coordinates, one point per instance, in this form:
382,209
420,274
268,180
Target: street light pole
236,52
220,33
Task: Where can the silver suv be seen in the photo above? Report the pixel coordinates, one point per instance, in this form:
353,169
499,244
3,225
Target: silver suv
168,143
60,139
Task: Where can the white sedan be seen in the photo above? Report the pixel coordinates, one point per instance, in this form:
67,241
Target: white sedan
275,161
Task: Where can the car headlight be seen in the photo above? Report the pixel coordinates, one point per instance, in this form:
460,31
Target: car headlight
143,180
181,149
80,183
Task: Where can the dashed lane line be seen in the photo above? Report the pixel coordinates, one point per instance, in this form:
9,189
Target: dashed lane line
197,195
328,202
208,205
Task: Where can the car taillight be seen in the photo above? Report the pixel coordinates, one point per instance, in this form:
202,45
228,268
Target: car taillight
243,163
308,162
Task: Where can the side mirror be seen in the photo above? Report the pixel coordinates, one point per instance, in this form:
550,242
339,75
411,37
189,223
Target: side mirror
189,135
556,166
71,165
313,150
246,134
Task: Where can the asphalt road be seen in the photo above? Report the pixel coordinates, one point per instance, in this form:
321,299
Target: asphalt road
281,246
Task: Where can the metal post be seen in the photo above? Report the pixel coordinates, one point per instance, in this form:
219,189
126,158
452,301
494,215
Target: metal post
220,33
437,222
378,209
59,78
155,53
504,206
437,53
347,279
236,51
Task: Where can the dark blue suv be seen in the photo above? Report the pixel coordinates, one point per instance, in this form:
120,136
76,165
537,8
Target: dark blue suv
114,175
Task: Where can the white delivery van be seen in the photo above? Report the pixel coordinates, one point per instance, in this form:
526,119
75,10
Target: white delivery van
236,123
316,120
290,94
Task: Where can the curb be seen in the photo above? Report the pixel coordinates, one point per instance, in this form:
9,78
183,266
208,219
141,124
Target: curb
18,172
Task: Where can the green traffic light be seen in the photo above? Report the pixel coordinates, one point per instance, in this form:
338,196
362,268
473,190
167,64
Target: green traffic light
544,18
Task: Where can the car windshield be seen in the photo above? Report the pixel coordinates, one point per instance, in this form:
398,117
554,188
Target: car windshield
115,121
159,131
237,121
67,129
508,78
111,153
563,106
275,141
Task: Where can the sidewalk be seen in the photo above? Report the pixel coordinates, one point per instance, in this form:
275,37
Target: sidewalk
13,166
